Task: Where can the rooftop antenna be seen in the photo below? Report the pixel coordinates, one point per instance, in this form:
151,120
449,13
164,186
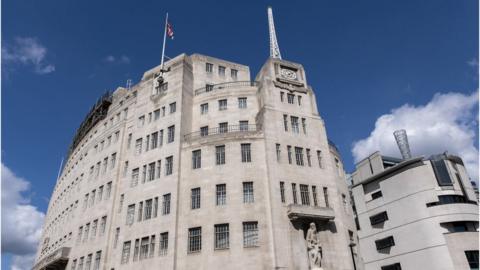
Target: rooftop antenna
274,49
129,84
402,142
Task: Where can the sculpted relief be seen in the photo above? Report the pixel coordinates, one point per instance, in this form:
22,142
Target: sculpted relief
314,248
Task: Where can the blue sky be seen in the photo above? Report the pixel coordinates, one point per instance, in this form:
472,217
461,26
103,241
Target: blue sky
363,58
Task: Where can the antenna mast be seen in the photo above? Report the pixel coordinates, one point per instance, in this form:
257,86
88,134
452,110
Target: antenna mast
274,49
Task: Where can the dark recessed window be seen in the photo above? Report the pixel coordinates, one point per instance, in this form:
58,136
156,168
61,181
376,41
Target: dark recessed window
378,218
377,195
472,258
441,173
395,266
384,243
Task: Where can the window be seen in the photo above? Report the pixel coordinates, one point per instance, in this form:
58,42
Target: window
278,151
309,158
80,263
85,234
289,152
208,87
74,264
196,159
125,113
220,154
126,252
299,98
147,143
141,121
319,157
152,246
304,195
171,134
80,233
194,239
282,96
148,209
376,195
159,168
299,156
96,264
294,193
122,198
294,121
103,225
395,266
88,262
166,204
138,146
169,165
282,192
135,173
243,125
222,104
100,194
208,67
204,131
250,234
195,204
105,165
117,235
160,137
290,98
94,229
156,114
378,218
130,214
144,245
325,196
441,172
113,160
108,190
173,107
151,172
285,122
384,243
248,192
223,127
242,102
140,211
472,258
163,243
163,111
246,153
314,195
136,250
154,142
204,108
221,71
155,207
221,236
234,73
304,125
221,194
129,140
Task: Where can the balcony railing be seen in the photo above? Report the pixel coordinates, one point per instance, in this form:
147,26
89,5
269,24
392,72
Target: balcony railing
222,130
224,86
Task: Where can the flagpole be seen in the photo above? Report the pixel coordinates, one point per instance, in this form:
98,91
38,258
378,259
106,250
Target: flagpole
164,41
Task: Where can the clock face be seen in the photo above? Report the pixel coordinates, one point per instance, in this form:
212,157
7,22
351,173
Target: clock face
288,74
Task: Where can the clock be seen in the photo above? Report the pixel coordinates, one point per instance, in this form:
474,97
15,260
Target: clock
288,74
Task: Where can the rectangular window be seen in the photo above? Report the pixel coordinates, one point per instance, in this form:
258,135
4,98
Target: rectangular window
196,159
74,264
379,218
220,154
125,169
148,209
221,236
166,204
163,243
325,196
144,245
278,151
204,108
103,225
376,195
223,127
100,194
144,173
441,172
163,111
169,165
209,67
194,239
282,192
135,173
234,73
88,262
204,131
304,125
141,121
171,134
160,138
195,204
156,115
290,98
242,102
208,87
151,171
397,266
155,207
248,192
294,193
472,258
299,98
384,243
221,194
309,158
108,190
282,96
289,153
319,157
299,156
122,198
304,195
173,107
221,71
117,235
113,160
136,250
294,121
246,153
138,146
154,142
80,233
140,211
250,234
243,125
85,234
152,246
314,195
126,252
285,122
130,214
159,169
94,229
222,104
96,264
80,263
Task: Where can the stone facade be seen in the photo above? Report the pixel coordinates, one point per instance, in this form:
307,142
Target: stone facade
415,214
235,184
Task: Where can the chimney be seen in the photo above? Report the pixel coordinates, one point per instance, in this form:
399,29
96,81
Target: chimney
402,142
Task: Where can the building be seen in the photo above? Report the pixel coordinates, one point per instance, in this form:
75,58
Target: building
199,167
415,213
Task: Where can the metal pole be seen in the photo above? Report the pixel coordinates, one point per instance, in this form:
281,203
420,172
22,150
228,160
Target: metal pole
60,169
164,40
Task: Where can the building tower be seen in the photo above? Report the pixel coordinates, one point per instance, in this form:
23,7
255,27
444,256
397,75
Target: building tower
207,170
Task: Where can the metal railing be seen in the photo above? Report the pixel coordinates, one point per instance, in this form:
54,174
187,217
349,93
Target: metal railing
222,130
224,86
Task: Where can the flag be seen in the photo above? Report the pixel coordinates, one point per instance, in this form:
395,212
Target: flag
169,30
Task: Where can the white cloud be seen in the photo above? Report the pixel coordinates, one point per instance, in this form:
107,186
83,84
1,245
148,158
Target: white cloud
28,52
447,123
123,59
21,221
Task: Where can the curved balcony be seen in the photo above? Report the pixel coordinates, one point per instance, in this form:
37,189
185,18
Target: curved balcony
223,131
58,259
226,85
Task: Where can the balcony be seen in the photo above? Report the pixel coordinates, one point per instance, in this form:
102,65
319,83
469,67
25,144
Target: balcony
299,212
231,130
56,260
226,85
